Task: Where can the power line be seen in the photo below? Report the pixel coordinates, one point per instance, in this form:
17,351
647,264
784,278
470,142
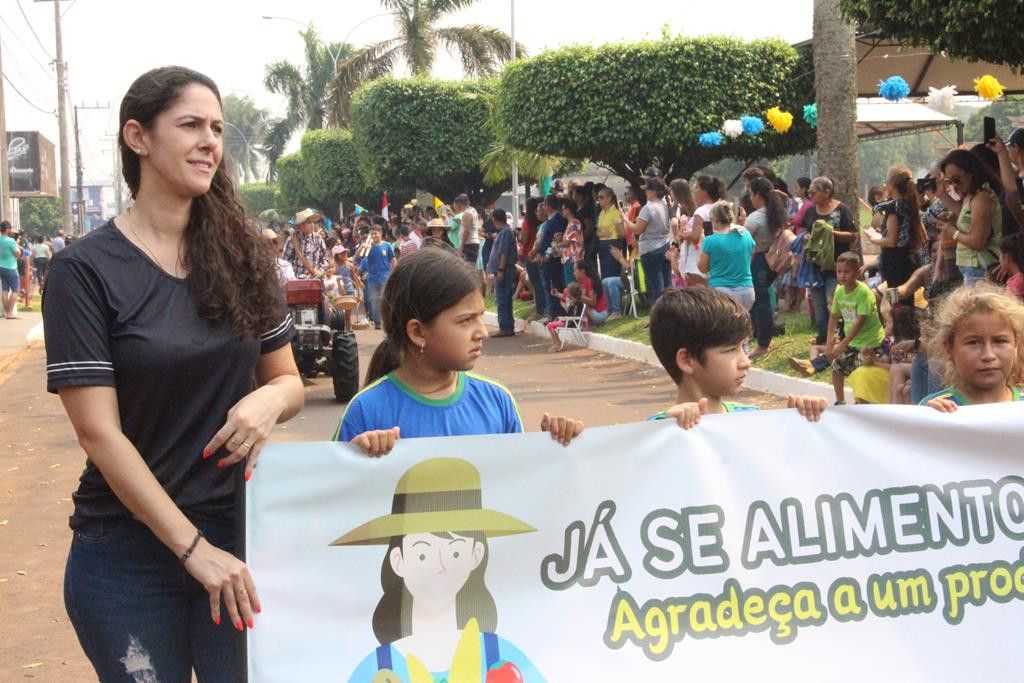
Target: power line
25,17
28,50
30,102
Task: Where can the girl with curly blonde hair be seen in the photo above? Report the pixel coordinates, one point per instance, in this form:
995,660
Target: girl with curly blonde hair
979,331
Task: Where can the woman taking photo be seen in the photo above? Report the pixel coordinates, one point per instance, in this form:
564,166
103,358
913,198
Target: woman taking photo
652,229
825,207
978,229
708,190
764,223
157,324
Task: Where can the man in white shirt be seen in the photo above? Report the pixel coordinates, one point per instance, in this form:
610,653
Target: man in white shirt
58,242
469,235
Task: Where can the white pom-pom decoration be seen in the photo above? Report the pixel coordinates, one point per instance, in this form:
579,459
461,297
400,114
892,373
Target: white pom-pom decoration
733,128
942,99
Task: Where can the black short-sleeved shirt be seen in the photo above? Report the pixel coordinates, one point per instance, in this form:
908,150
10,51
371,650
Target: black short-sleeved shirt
114,318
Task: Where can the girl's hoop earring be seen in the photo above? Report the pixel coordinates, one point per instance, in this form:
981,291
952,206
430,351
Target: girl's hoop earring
422,346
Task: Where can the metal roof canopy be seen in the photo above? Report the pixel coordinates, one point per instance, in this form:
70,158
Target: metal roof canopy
878,58
879,118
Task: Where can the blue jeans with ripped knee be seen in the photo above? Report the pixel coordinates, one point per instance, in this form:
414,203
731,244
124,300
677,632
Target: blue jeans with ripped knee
138,614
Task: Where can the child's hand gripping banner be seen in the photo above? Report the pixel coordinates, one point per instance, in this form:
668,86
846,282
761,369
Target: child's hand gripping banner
881,544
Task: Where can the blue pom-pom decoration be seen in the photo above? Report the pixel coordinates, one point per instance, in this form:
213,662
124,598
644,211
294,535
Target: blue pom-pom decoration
713,139
752,125
893,88
811,114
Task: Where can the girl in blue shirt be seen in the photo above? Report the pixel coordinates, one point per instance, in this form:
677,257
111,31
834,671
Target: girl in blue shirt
420,380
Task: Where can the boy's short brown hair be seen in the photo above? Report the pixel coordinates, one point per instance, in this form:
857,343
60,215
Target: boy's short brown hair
850,258
695,319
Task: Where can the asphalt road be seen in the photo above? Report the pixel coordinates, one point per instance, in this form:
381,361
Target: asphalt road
40,461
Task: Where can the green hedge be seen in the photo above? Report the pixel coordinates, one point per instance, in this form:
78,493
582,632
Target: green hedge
257,197
331,169
423,133
626,106
985,30
292,194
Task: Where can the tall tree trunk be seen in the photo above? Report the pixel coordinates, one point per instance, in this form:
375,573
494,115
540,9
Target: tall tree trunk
835,81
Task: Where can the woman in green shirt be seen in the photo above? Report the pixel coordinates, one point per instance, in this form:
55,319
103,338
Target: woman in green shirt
979,228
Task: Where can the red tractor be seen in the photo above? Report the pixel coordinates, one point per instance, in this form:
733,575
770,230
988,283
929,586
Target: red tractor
324,340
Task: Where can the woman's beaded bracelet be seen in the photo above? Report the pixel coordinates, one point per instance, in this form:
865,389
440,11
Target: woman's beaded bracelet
191,548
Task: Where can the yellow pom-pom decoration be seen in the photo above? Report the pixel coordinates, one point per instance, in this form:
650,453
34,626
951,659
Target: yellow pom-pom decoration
779,120
988,87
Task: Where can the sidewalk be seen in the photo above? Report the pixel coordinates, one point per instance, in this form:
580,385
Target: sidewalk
757,379
18,335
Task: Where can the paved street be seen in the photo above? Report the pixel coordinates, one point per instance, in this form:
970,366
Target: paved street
40,462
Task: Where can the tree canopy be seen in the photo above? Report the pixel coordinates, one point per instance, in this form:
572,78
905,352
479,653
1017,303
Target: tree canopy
330,167
257,197
41,215
306,88
425,134
246,124
417,38
292,194
628,106
965,29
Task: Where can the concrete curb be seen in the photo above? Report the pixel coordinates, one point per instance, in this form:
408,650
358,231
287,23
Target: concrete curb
757,379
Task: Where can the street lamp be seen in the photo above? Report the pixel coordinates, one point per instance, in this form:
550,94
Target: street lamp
334,57
246,140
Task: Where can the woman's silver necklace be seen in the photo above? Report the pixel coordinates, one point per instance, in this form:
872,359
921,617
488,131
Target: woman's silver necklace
178,266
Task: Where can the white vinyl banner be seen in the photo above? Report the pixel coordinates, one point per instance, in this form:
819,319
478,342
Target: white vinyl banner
882,543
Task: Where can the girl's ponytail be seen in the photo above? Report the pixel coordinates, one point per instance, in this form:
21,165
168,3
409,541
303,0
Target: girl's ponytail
386,358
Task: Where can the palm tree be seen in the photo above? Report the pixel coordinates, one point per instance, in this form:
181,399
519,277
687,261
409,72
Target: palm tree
835,81
416,41
246,125
306,90
499,157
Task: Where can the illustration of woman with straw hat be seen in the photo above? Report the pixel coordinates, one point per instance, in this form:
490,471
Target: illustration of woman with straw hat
436,620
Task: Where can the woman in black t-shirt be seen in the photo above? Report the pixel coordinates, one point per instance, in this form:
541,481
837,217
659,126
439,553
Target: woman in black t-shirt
902,231
157,324
825,207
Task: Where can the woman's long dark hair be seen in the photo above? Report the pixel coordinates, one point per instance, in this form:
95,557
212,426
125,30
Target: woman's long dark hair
423,285
774,205
232,269
712,185
590,269
392,619
978,170
531,212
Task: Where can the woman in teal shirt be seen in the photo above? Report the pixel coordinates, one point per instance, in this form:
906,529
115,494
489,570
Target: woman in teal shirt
725,255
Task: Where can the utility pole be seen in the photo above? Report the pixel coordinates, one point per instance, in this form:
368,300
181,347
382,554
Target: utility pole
5,190
62,121
80,170
515,164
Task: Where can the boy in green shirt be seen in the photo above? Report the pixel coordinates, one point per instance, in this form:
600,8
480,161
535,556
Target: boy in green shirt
856,304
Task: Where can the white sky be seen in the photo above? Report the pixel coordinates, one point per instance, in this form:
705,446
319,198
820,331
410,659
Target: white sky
108,43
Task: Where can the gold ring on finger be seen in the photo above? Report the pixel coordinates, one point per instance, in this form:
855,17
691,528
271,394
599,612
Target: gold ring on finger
246,444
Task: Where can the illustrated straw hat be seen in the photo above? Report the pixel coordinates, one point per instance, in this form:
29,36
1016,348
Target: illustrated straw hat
437,223
441,494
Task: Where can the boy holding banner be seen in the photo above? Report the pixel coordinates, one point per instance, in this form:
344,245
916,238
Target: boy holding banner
698,334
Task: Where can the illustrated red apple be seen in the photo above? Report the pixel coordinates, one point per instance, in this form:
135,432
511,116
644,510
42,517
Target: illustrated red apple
504,672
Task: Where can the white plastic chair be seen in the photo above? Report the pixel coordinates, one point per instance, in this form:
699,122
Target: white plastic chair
573,330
